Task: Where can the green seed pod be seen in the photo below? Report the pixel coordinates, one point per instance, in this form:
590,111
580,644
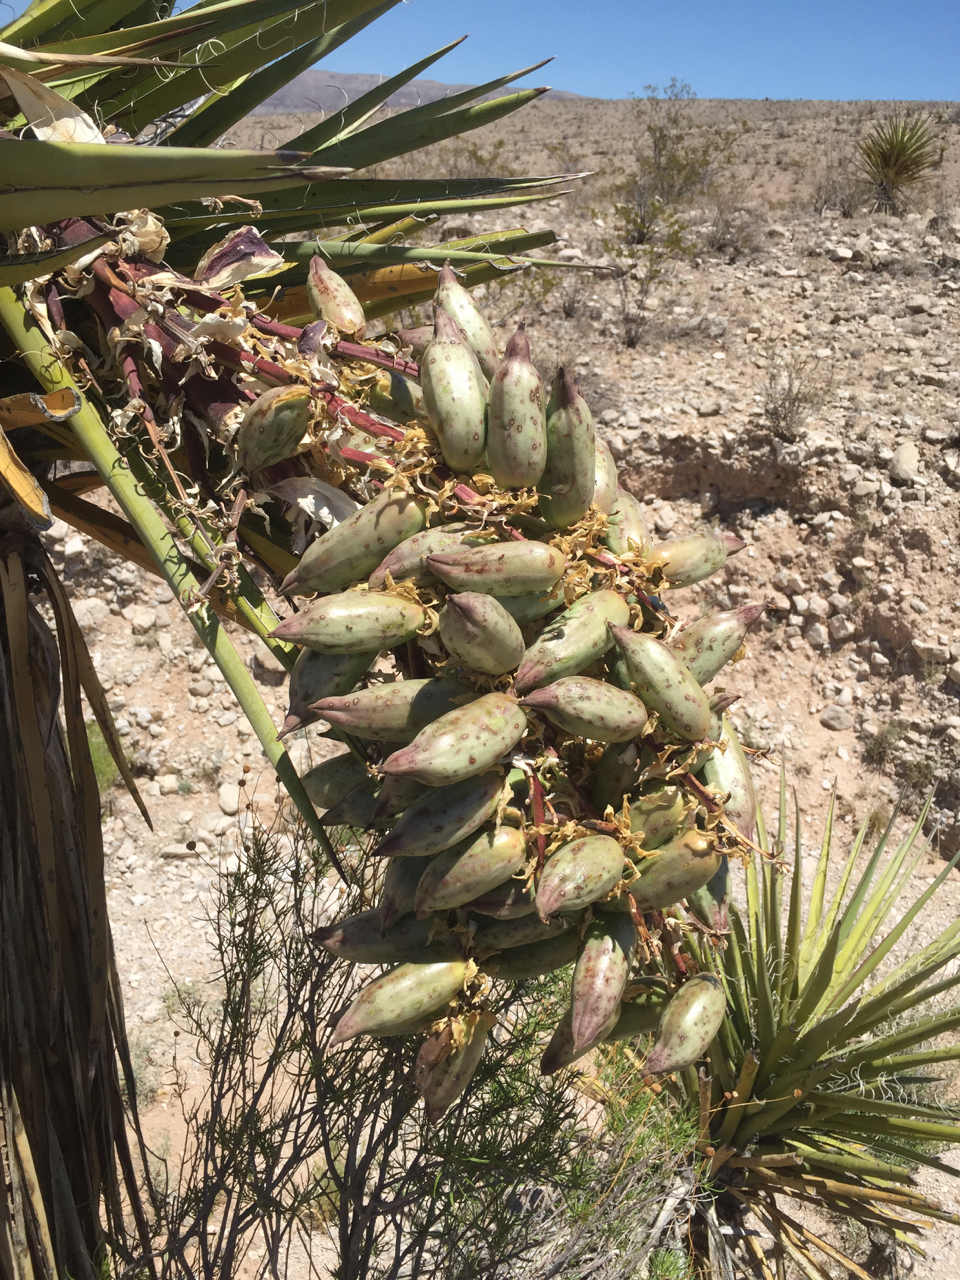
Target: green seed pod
441,817
708,644
272,427
590,709
524,609
458,302
560,1051
351,550
504,935
569,479
461,743
408,560
710,904
359,939
501,568
685,561
396,795
600,976
355,810
615,775
399,890
397,711
469,870
332,779
508,901
454,396
404,993
415,1026
573,640
689,1024
579,873
661,812
477,630
447,1061
677,869
516,424
398,398
727,772
664,684
320,675
637,1018
605,488
353,622
535,958
332,299
627,532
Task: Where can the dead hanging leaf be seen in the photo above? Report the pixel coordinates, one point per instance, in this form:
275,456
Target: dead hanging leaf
52,117
22,485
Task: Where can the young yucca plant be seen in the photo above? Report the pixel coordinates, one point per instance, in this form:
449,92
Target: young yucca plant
816,1088
895,157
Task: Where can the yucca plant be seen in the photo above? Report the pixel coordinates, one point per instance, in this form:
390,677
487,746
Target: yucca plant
72,77
817,1089
895,157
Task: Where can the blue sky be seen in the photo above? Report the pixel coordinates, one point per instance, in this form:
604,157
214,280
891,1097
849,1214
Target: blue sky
892,49
845,49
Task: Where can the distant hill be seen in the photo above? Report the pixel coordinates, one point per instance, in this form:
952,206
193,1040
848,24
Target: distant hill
314,91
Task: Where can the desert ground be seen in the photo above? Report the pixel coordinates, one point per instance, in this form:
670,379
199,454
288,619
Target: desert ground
847,499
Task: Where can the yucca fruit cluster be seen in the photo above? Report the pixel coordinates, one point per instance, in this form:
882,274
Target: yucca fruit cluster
545,772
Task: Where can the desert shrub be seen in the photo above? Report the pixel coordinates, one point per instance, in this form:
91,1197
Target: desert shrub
291,1146
796,386
676,158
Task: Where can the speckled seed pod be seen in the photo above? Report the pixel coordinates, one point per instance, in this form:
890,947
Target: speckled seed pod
395,711
479,864
441,817
627,532
508,901
516,423
573,640
332,299
504,935
637,1018
460,303
664,684
320,675
600,976
399,889
685,561
446,1062
535,958
501,569
359,940
351,550
478,631
677,868
661,812
708,644
616,774
400,995
408,559
273,426
578,874
353,622
689,1024
332,779
560,1051
605,487
461,743
454,396
589,709
569,479
727,772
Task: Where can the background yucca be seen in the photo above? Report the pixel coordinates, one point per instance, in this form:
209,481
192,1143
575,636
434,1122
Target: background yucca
895,157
